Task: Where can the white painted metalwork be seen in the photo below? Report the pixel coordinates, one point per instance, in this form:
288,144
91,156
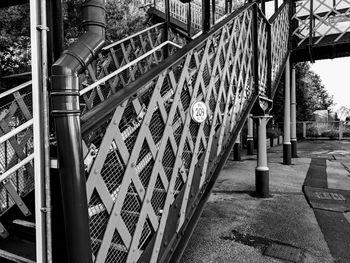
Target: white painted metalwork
121,69
16,131
16,167
15,89
132,36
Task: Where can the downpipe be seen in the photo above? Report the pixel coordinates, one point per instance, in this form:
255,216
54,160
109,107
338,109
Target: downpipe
66,114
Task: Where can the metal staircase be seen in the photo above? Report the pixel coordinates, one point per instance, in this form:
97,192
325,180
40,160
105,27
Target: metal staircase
147,165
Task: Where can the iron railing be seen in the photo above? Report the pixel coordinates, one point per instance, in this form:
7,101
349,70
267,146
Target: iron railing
144,153
122,62
16,145
319,22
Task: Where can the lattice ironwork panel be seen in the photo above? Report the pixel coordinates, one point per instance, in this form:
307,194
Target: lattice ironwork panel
16,142
148,149
279,42
263,58
321,21
126,60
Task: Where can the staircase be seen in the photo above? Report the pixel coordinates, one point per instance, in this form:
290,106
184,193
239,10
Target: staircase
149,162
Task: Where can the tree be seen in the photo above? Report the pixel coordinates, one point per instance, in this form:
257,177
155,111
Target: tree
311,95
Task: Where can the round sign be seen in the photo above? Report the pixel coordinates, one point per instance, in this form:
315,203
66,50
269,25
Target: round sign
199,111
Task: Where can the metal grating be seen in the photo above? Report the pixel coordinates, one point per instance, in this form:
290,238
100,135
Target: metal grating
284,252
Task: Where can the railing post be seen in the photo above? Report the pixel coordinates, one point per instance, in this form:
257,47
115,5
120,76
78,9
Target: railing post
205,16
250,136
293,115
189,18
304,130
166,28
286,142
213,11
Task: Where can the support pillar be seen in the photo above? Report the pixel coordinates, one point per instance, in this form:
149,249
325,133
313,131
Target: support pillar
293,119
250,136
287,149
262,171
237,149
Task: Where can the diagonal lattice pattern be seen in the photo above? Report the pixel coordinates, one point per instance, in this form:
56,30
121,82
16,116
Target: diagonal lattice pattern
279,42
149,147
15,113
124,61
320,22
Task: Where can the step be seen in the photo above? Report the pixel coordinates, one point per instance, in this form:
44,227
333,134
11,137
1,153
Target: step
23,229
18,250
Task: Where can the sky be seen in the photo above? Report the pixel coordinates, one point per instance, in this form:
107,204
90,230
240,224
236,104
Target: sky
335,76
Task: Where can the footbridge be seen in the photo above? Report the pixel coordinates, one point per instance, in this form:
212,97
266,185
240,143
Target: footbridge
110,151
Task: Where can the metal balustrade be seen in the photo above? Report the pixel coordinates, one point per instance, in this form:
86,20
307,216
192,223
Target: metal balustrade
143,152
16,145
124,61
320,22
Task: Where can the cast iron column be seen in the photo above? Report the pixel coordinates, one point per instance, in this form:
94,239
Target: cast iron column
262,171
287,151
250,136
293,126
237,149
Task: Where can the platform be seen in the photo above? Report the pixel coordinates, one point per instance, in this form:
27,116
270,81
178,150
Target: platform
237,227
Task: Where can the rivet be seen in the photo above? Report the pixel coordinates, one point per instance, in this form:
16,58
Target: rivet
96,171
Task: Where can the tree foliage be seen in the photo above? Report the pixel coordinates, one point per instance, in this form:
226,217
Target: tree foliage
311,95
14,40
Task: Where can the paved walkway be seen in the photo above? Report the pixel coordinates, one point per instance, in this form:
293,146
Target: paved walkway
236,227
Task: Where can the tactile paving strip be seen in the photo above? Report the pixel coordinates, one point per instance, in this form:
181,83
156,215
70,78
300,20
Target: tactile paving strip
330,196
284,252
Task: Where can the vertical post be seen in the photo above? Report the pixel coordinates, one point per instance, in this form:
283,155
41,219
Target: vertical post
205,16
213,11
293,126
166,28
286,143
237,148
189,18
263,6
276,5
262,170
40,120
340,130
304,130
250,137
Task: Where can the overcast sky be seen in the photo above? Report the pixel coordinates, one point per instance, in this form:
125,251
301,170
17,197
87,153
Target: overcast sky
335,75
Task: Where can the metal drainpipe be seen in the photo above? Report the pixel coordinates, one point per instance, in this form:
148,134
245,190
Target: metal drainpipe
66,114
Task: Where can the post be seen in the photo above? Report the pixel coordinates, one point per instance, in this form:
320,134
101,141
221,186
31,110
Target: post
166,28
250,136
304,130
293,125
237,148
340,130
205,15
262,170
287,151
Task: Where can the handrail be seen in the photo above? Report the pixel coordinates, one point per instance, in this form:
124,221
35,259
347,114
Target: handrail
17,88
132,36
15,131
275,15
126,66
